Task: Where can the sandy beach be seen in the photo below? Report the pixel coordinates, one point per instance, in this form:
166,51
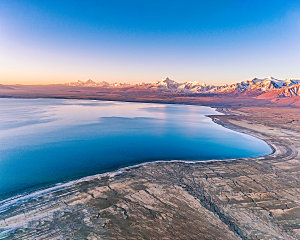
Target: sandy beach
251,198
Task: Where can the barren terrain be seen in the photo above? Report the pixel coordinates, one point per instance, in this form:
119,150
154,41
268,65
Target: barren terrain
139,95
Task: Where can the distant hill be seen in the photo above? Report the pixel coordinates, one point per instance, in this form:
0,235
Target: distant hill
255,87
91,83
255,92
289,91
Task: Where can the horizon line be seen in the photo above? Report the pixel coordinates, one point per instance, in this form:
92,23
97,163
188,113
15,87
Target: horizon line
141,82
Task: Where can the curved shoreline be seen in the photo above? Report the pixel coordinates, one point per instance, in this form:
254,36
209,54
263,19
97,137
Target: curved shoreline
282,152
60,185
273,143
23,197
45,186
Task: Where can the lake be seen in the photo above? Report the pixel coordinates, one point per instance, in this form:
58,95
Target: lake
46,141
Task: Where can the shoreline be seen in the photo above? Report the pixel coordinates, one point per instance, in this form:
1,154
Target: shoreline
207,193
245,131
49,187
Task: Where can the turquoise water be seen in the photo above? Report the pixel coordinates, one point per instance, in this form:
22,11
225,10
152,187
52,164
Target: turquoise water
45,141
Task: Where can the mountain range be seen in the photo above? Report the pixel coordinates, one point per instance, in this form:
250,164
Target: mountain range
264,88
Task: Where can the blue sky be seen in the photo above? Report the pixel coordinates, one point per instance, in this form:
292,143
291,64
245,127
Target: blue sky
134,41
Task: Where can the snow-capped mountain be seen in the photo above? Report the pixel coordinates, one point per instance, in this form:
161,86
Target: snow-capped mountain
252,87
255,86
186,87
289,91
194,87
167,84
91,83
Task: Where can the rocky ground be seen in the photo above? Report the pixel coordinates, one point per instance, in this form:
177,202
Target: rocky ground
251,198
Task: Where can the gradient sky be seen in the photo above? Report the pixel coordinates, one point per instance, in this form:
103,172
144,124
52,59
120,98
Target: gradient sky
133,41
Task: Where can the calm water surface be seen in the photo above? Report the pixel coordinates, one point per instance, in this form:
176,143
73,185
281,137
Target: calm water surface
45,141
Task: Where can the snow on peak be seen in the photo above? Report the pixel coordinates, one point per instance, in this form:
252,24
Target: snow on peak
255,86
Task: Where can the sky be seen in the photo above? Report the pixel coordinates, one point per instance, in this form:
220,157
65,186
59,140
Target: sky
210,41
